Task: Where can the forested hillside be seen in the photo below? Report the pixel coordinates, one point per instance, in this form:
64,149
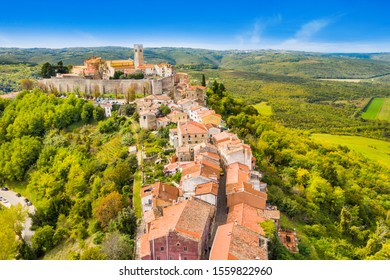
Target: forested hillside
52,151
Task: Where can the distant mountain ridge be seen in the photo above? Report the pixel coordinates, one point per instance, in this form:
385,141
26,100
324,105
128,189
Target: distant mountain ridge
290,63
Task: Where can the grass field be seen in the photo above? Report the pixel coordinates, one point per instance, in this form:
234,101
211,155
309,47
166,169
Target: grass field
384,112
137,204
379,109
373,149
263,108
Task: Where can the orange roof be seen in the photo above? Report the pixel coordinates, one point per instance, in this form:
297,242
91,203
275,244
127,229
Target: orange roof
236,173
161,190
192,128
209,154
224,136
207,188
206,113
163,119
204,168
195,108
188,218
144,66
221,244
235,242
247,216
145,246
196,87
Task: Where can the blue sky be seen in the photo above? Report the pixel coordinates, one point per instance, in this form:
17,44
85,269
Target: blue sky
325,26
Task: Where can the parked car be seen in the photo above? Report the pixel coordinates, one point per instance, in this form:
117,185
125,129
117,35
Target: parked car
28,203
18,195
4,189
26,200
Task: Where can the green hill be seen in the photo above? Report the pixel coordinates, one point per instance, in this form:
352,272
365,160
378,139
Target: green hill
302,64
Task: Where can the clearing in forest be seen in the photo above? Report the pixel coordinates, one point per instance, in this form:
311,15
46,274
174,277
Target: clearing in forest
373,149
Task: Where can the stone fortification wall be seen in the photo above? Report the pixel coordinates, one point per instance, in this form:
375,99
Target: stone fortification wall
149,86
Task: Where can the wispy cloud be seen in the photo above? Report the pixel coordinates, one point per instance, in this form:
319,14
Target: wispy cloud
254,36
304,35
311,28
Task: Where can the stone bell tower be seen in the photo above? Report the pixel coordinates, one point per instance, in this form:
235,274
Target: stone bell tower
138,55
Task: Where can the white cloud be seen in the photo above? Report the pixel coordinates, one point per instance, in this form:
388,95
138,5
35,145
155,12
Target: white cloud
309,29
253,37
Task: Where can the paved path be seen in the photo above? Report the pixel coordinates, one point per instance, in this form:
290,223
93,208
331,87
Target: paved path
14,200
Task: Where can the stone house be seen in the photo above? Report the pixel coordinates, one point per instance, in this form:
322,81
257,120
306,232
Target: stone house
191,133
158,195
182,233
177,116
208,192
147,120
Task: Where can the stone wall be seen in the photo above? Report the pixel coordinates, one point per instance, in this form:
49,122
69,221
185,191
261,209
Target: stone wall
150,86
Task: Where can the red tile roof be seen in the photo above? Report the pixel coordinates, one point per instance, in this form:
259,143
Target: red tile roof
207,188
189,218
236,242
192,128
247,216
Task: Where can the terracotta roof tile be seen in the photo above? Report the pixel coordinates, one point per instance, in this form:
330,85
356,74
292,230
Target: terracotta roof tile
188,218
145,246
207,188
192,128
235,242
247,216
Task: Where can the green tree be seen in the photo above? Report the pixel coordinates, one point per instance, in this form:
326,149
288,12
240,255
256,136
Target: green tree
126,222
12,222
164,109
98,113
107,208
117,247
27,84
130,94
203,80
87,112
92,253
47,70
42,240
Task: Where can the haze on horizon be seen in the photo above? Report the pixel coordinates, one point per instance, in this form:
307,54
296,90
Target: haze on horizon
331,26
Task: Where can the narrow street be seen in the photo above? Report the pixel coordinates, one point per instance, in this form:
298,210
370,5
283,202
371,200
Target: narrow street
221,211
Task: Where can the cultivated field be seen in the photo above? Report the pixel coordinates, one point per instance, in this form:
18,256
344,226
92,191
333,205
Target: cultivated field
377,150
263,108
378,109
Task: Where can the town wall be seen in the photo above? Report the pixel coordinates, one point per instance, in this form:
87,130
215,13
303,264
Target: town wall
149,86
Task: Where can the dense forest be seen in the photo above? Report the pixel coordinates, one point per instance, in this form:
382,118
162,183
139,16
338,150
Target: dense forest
53,151
337,200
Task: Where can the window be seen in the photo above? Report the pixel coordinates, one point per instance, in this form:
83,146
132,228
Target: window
158,258
177,244
161,248
170,258
185,258
185,248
